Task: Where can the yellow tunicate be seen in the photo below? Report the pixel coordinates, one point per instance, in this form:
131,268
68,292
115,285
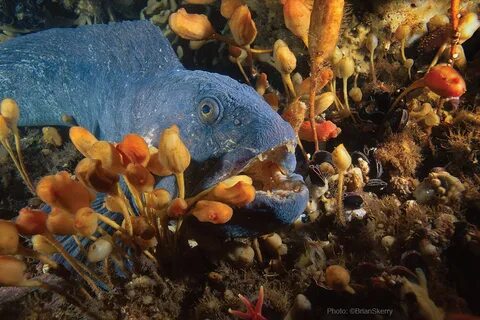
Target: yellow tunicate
51,136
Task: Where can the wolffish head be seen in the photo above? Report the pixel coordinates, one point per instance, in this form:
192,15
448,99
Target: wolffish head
229,129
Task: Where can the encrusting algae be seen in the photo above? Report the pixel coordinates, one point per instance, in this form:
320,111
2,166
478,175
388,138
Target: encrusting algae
382,100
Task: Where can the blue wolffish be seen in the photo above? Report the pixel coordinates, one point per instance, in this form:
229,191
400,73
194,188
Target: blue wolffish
125,78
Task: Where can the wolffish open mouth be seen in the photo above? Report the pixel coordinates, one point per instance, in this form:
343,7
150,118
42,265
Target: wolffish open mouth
270,174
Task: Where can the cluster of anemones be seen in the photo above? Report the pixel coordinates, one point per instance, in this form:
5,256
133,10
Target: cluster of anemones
9,115
144,224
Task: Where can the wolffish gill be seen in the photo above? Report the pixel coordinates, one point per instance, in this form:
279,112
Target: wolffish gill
125,78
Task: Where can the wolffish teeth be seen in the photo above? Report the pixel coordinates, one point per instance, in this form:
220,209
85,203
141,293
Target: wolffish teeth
290,147
261,157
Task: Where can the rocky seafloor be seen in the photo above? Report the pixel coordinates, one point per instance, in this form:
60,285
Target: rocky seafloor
410,246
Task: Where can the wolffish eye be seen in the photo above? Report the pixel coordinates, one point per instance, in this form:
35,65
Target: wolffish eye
209,110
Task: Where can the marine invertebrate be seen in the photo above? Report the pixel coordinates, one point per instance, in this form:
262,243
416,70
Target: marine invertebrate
51,136
345,69
285,62
426,114
402,33
326,130
237,55
99,250
190,26
426,307
174,156
400,153
242,26
338,278
9,115
342,161
218,102
325,22
441,79
296,14
30,221
355,93
253,312
212,211
12,273
463,26
439,186
72,215
9,239
323,102
273,243
228,7
371,43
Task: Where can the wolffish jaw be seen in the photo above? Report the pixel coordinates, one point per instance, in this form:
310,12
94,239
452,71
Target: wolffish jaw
271,171
281,195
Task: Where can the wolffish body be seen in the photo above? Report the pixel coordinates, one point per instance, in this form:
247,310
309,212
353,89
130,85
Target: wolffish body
124,77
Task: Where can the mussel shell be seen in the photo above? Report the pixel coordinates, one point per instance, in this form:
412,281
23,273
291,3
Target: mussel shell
322,156
376,170
375,186
352,201
371,115
359,155
368,155
398,120
382,101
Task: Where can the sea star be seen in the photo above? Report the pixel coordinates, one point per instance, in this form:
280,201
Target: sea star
253,313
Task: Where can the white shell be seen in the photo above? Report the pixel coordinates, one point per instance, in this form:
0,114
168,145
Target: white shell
99,250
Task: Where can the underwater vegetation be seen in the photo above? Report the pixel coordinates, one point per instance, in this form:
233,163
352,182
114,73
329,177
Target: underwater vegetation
336,177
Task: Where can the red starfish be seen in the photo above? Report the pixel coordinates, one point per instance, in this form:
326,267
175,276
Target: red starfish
252,313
